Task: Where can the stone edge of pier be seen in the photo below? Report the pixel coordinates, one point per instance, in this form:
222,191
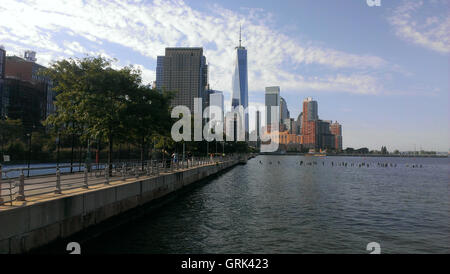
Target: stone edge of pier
39,223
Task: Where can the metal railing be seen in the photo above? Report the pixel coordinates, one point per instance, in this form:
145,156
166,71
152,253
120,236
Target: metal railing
16,186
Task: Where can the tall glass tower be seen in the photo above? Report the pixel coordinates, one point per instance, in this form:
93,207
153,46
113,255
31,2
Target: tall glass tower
240,81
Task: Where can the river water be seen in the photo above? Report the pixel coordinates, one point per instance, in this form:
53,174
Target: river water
275,205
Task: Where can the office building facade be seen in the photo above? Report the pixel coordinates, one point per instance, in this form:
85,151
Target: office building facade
298,124
325,138
159,72
185,72
284,111
272,99
216,99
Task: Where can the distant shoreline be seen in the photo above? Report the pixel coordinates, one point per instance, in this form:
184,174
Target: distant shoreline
354,155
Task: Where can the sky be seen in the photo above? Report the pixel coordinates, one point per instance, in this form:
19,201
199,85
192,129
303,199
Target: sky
380,71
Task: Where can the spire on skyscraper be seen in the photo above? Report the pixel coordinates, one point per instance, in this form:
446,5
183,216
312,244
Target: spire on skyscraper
240,31
240,38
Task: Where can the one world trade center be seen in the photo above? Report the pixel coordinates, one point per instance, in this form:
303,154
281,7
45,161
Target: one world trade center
240,82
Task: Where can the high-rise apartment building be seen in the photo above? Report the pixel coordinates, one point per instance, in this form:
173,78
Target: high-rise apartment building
185,72
309,123
240,82
336,130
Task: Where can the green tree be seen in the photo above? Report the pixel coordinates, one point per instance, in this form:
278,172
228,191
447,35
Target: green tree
98,102
148,114
94,96
10,130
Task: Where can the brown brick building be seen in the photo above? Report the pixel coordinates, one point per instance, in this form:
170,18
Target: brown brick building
309,128
336,130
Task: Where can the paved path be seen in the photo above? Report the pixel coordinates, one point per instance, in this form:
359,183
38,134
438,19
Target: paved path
40,188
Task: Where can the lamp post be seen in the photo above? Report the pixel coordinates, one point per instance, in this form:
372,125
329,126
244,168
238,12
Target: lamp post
184,150
57,148
29,149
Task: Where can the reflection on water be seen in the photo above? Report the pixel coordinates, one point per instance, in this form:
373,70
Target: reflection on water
287,208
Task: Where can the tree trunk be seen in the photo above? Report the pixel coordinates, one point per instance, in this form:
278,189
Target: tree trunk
71,156
142,152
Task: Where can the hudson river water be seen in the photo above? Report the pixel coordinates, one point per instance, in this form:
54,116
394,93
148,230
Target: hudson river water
274,205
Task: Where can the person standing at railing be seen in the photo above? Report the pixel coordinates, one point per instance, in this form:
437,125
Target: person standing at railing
174,157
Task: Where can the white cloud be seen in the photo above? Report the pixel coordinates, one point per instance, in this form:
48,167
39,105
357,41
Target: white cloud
148,76
147,28
432,32
74,47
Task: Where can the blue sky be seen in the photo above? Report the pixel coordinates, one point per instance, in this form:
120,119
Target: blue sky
382,72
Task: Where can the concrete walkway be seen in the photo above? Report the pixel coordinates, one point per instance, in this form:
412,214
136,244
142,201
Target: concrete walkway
36,187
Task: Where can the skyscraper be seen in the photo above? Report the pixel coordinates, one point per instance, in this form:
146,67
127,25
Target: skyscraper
159,72
185,72
284,115
309,124
336,130
240,81
326,139
298,124
272,100
311,109
216,99
284,111
258,125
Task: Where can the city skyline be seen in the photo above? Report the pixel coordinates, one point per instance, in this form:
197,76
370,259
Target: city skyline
380,88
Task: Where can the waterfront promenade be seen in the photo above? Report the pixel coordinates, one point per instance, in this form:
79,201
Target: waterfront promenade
42,212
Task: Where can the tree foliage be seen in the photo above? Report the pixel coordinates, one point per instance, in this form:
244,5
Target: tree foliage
99,102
